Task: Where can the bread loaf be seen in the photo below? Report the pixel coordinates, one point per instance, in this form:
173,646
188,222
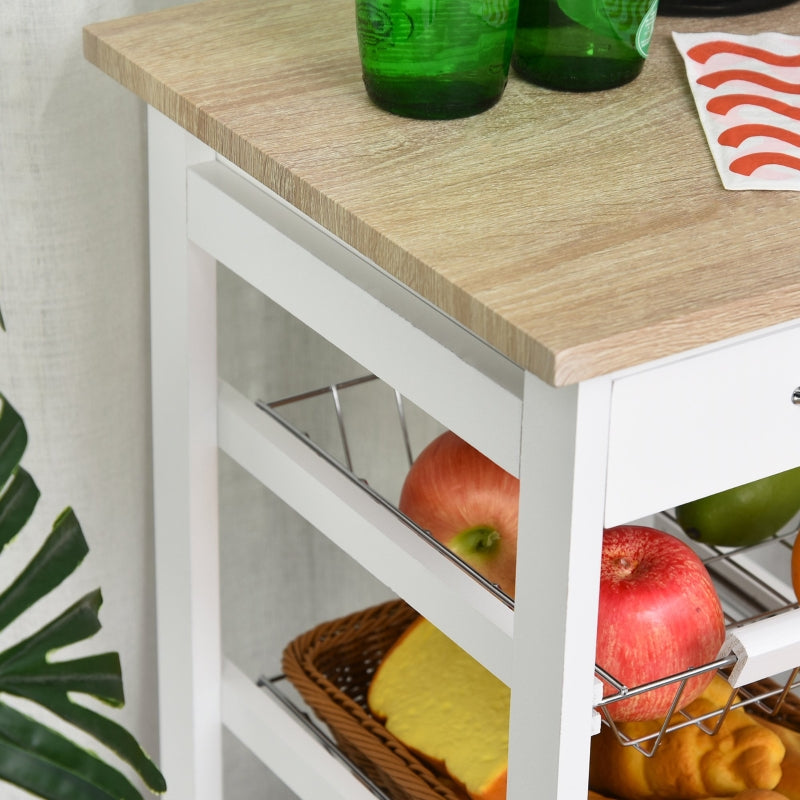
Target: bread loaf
451,711
444,706
689,764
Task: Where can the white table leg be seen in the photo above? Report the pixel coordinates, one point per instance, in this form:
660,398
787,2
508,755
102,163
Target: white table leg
563,463
184,374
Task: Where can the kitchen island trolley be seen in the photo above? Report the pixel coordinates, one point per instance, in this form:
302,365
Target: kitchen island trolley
562,281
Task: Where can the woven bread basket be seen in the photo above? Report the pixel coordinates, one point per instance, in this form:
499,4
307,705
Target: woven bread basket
331,666
788,712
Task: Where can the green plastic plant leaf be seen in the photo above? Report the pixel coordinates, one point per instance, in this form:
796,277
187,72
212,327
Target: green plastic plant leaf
61,553
16,505
78,622
13,439
32,756
112,735
20,766
25,670
20,495
99,676
73,772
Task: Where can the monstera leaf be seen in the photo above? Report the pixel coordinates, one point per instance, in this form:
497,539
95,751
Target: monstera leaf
33,756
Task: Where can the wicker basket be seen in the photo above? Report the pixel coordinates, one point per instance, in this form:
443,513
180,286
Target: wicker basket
331,666
788,714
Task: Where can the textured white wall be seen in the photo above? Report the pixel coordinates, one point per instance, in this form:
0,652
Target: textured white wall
280,577
74,361
73,283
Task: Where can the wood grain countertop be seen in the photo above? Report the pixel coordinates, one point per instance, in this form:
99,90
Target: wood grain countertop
579,234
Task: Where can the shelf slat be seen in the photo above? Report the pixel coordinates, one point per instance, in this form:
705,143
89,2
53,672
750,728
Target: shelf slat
283,744
764,648
367,531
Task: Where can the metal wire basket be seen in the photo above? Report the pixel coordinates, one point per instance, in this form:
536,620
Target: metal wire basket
746,594
331,667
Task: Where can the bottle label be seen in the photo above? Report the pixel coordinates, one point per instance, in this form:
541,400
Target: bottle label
644,33
392,22
627,21
382,24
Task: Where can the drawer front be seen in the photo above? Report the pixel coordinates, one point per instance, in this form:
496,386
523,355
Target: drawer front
707,423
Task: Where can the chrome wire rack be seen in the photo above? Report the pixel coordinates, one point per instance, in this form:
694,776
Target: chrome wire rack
766,697
748,596
344,462
745,589
281,690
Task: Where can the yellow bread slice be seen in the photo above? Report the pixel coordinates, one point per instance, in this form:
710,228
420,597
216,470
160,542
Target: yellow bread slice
443,705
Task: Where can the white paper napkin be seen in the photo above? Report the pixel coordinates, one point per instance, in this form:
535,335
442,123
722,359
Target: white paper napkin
747,93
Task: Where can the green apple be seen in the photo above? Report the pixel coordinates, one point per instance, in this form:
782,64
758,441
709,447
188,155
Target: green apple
744,515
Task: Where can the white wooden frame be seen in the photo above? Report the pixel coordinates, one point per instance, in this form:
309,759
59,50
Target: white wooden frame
184,377
558,441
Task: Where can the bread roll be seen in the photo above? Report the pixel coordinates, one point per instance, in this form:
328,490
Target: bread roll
789,784
747,794
754,794
689,764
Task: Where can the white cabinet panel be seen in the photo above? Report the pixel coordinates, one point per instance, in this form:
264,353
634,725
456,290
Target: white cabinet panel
703,424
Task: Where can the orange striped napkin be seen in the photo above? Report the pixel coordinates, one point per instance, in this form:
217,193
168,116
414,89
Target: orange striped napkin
747,93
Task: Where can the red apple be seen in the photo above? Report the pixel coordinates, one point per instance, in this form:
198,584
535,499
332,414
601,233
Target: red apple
659,615
468,503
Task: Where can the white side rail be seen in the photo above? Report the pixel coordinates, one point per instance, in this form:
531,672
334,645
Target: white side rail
385,546
284,744
764,648
359,308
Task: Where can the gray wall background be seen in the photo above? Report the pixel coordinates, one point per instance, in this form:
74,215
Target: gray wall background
75,362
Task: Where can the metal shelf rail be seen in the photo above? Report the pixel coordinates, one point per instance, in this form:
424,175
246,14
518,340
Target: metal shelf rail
748,593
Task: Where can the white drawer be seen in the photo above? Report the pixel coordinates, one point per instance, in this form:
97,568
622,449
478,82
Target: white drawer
703,424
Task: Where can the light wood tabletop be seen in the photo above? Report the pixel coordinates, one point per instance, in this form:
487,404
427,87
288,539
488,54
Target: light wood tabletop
579,234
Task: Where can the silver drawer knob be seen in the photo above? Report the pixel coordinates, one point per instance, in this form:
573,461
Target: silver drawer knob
796,396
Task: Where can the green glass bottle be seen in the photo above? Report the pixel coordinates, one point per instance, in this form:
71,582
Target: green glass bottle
582,45
435,59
